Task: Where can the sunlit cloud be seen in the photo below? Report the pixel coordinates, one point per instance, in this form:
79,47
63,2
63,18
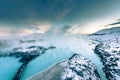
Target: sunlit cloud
28,29
40,27
47,28
4,31
92,27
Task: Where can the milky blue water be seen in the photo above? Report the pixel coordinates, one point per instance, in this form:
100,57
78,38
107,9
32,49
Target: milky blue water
8,67
90,55
44,61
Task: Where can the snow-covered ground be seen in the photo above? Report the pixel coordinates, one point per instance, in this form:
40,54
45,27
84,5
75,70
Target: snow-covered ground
109,52
108,49
79,68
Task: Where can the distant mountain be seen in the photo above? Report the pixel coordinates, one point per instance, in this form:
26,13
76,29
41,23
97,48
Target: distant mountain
108,31
105,34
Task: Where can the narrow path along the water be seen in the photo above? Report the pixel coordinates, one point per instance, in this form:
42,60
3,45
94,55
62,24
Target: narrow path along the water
44,61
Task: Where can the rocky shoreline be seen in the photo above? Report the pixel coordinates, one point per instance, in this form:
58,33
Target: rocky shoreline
25,56
109,53
79,68
68,70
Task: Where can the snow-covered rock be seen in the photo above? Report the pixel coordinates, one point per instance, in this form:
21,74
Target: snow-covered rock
109,52
79,68
105,34
25,53
108,31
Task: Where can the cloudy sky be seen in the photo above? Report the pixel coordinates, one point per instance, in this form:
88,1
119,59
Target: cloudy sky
19,17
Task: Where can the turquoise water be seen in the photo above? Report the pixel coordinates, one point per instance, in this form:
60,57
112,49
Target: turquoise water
96,60
56,55
88,52
44,61
8,67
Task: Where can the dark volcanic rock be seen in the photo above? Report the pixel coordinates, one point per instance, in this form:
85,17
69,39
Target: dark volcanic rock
79,68
25,55
109,52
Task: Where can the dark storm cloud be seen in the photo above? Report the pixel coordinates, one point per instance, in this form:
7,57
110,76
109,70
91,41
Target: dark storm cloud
52,10
22,10
16,10
21,13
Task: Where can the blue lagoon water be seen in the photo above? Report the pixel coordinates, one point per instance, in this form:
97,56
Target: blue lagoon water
8,67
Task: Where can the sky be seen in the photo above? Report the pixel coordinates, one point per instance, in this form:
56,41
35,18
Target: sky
21,17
